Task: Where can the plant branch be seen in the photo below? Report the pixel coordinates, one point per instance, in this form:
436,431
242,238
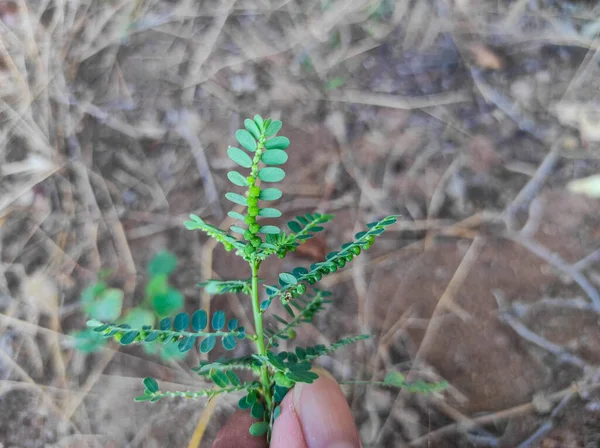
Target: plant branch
260,339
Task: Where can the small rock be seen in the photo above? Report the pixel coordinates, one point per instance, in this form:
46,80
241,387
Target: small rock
542,404
485,57
522,91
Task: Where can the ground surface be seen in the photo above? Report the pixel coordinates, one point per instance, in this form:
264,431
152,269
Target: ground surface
467,118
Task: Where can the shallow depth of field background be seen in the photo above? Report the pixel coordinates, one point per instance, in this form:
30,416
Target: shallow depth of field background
469,119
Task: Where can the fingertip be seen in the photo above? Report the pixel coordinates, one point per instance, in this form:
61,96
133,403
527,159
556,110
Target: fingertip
315,415
287,430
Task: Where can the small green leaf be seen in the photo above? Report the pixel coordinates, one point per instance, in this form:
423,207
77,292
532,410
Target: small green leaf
138,317
236,198
93,291
269,213
258,410
299,272
287,278
168,303
239,156
235,215
269,194
162,263
219,377
275,361
259,429
274,157
334,83
181,322
142,398
243,403
158,285
208,344
270,229
107,307
186,344
228,342
273,128
246,140
237,179
252,397
232,324
237,229
233,378
199,320
303,377
129,337
152,336
276,412
218,320
277,143
252,128
151,384
259,121
294,226
395,379
270,174
165,324
96,325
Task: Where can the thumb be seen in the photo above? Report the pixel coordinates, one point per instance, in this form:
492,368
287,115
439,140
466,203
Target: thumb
315,415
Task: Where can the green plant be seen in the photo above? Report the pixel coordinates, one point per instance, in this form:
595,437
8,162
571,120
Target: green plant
270,372
103,303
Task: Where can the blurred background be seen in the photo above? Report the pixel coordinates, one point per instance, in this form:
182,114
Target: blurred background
477,122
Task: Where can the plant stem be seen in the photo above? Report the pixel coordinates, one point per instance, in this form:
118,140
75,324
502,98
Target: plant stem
260,339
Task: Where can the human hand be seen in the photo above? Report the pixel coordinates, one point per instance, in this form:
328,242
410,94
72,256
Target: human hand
313,415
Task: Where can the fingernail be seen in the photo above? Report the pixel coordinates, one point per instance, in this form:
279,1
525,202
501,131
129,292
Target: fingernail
324,414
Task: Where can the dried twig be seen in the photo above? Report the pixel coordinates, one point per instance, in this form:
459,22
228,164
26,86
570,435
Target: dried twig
396,101
556,261
534,184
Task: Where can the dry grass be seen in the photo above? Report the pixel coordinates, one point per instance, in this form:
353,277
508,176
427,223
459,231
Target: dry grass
114,124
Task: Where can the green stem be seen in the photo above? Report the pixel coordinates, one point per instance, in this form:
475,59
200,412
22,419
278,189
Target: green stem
260,339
